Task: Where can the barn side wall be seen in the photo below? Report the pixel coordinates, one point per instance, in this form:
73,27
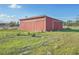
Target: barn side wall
52,24
48,24
35,25
58,25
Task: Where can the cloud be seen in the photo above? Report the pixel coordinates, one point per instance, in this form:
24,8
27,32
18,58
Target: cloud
14,6
7,18
3,15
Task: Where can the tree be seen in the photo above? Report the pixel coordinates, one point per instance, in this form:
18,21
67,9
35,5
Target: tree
17,23
11,24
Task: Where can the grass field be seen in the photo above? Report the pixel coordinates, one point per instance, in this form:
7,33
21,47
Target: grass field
15,42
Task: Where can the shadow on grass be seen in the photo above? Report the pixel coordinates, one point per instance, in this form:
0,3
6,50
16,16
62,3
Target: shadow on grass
67,30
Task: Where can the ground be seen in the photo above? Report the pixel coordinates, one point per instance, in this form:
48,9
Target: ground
15,42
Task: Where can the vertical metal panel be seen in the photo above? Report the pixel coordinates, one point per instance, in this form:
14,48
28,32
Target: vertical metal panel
35,25
52,24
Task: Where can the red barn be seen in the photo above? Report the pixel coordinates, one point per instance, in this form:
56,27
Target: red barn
40,23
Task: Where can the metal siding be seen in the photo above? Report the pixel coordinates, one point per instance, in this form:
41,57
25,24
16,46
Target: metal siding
52,24
36,25
40,24
48,24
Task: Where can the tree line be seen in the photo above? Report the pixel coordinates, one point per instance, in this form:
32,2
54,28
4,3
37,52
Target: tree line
10,24
71,23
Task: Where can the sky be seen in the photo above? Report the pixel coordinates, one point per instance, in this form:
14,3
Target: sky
14,12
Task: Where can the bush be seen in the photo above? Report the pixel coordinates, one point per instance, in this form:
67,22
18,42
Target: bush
33,35
21,34
18,34
67,29
28,33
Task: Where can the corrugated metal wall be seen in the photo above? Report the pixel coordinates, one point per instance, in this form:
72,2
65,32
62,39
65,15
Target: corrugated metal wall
33,25
40,24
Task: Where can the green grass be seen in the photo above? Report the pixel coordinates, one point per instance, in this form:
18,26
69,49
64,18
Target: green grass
15,42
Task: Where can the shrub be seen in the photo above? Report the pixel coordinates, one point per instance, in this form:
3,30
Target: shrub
67,29
33,35
21,34
18,34
28,33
